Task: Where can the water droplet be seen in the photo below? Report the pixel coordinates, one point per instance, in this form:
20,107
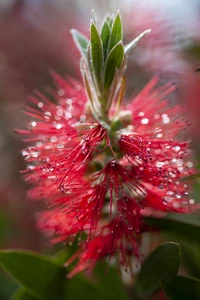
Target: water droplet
165,118
145,121
61,92
69,101
82,118
189,164
33,124
53,139
141,114
40,104
68,115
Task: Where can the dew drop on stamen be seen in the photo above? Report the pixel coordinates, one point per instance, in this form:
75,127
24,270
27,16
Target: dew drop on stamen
112,164
144,121
40,104
165,118
141,114
189,164
33,124
156,116
69,101
58,126
61,92
68,115
82,118
53,139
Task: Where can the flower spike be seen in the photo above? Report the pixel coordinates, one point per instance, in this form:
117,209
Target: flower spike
99,163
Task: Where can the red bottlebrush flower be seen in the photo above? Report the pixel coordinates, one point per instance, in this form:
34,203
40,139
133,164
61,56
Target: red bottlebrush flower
99,166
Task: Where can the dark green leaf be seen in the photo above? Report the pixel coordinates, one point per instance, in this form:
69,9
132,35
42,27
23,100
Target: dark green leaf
113,62
111,283
101,286
164,260
40,275
96,52
180,288
81,42
110,19
186,226
191,258
7,286
105,34
116,33
21,294
80,288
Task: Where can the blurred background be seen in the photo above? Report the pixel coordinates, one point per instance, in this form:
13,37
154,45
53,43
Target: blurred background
35,39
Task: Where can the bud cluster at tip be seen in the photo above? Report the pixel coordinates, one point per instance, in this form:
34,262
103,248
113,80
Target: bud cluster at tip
103,64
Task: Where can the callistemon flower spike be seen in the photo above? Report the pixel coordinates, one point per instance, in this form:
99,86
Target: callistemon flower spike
99,163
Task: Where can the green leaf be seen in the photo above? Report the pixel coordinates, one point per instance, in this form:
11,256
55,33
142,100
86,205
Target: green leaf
132,44
22,294
186,226
7,286
113,62
179,287
96,52
116,32
111,282
191,258
164,260
105,35
40,275
81,42
102,285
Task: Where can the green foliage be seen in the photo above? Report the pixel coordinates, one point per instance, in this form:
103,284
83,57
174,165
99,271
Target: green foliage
116,33
113,63
43,277
105,35
96,52
179,287
164,260
81,42
40,275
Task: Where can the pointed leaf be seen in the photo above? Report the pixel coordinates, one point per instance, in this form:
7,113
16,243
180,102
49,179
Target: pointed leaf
40,275
164,260
116,32
105,35
81,42
179,287
132,44
113,62
96,52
